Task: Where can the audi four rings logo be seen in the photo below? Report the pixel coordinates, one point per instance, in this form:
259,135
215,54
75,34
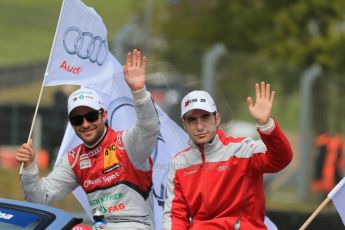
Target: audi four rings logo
85,45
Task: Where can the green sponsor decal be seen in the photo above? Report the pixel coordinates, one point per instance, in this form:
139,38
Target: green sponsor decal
105,199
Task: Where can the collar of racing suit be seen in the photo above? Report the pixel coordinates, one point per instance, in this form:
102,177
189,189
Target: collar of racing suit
209,148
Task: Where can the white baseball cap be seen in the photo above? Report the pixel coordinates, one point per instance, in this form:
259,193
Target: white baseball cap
84,97
197,100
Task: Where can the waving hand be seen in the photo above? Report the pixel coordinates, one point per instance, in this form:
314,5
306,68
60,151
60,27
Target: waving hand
134,70
261,110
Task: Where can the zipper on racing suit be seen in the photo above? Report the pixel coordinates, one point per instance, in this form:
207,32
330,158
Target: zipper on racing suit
237,224
203,165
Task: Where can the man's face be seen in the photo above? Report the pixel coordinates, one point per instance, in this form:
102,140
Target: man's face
201,125
91,124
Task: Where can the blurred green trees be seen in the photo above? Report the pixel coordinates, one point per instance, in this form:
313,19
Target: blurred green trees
300,33
267,40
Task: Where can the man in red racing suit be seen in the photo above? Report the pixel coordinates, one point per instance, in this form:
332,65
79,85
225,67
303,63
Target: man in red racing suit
217,183
113,167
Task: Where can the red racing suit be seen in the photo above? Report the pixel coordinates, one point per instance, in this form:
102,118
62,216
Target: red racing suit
221,185
116,174
112,184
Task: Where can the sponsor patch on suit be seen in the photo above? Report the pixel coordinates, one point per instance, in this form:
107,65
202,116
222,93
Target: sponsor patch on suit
110,156
85,164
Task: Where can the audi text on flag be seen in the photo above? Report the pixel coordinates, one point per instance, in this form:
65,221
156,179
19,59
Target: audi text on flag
80,54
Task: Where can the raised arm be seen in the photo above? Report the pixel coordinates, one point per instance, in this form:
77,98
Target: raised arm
278,153
141,139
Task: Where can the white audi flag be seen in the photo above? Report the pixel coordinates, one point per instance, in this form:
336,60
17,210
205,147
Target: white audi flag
80,54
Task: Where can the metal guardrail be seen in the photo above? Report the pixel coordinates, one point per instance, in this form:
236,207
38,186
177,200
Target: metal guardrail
21,74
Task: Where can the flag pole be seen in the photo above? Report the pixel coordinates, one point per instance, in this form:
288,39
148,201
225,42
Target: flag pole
33,121
41,91
315,213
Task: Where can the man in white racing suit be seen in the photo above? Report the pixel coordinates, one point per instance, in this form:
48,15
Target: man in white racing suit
113,167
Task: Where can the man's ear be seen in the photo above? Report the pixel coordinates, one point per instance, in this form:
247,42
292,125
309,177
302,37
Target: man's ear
105,114
218,119
183,124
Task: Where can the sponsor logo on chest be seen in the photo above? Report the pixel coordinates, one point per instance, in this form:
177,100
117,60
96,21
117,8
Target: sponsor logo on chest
102,200
112,168
85,164
101,180
84,161
110,155
223,168
191,172
94,152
